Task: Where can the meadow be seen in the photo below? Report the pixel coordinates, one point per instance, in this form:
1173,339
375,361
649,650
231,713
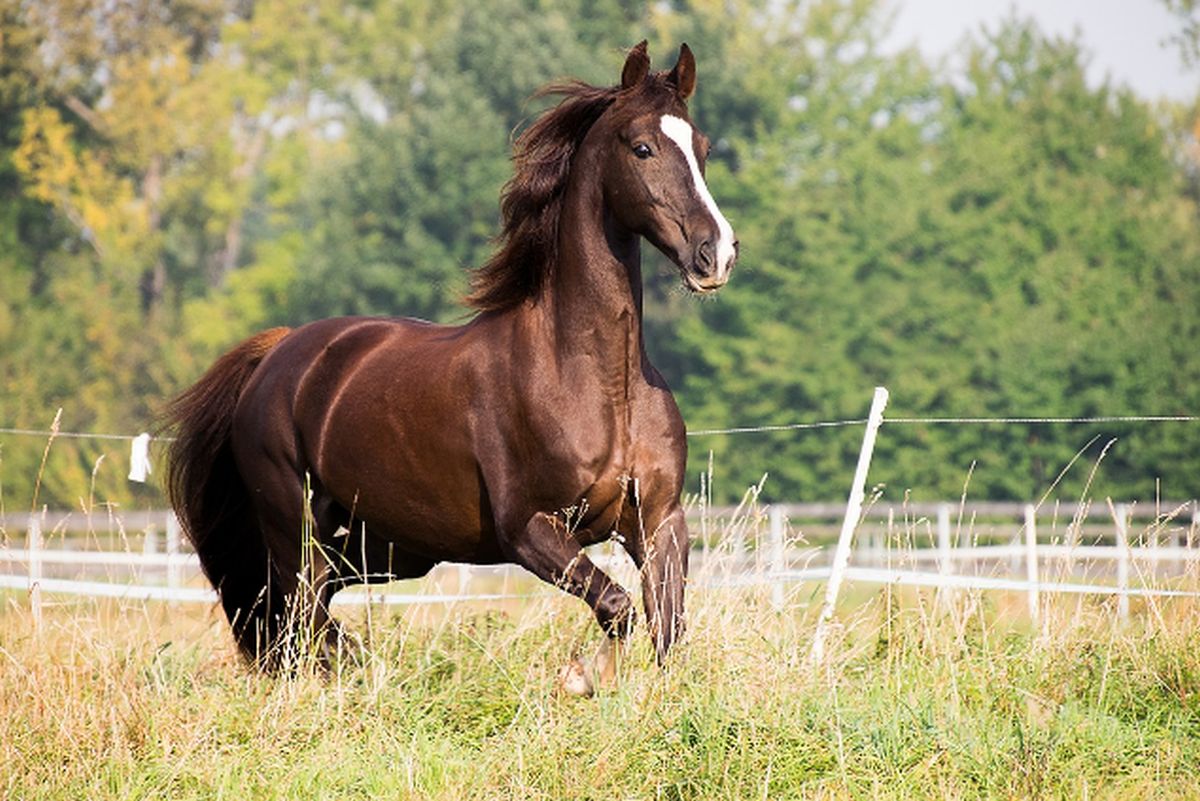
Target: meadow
920,696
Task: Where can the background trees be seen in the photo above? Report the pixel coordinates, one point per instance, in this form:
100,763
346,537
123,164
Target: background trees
1013,242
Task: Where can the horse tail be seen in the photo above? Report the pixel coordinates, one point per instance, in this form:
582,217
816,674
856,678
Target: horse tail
212,502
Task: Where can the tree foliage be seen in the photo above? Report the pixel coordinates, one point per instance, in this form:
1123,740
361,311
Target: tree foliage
1009,241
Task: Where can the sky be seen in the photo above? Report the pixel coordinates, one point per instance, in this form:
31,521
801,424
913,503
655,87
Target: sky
1126,38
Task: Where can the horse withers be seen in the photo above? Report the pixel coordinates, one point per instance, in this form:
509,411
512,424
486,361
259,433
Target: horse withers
367,449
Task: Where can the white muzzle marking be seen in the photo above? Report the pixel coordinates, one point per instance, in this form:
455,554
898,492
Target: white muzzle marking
679,131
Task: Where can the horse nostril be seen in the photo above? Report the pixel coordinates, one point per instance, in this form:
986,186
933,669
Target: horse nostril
704,255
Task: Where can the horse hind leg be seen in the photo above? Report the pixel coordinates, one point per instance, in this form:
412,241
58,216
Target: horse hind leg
300,574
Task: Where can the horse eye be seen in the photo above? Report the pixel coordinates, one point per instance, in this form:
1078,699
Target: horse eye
642,151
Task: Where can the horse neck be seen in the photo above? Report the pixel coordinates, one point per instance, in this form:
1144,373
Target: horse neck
594,295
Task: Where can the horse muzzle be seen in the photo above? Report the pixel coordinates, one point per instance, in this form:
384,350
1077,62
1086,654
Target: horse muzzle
710,268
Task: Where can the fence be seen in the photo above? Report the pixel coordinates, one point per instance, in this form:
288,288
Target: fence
774,563
773,554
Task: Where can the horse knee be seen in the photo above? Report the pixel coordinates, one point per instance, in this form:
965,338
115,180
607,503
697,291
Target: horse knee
615,613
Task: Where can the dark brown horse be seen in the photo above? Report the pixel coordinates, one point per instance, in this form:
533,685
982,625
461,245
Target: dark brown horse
537,428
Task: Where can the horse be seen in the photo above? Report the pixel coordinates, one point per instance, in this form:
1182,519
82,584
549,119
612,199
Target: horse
368,449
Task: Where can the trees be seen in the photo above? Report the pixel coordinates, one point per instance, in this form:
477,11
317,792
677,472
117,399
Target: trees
96,100
1011,242
132,137
1004,248
1188,39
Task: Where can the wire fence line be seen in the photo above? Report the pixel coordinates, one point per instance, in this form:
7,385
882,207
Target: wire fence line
1132,418
48,433
160,592
706,432
758,429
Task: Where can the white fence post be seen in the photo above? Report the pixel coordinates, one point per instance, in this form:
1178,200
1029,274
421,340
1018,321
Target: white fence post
1122,521
1154,542
777,564
887,538
1031,560
172,551
1195,524
945,561
945,558
853,511
34,536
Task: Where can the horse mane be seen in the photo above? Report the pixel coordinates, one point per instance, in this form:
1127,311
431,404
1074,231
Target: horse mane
531,201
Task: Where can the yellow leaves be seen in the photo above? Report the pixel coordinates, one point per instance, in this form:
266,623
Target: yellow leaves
142,105
44,157
78,182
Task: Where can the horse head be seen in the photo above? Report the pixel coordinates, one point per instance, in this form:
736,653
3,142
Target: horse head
653,180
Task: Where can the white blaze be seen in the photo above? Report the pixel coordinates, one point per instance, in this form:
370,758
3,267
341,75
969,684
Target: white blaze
679,131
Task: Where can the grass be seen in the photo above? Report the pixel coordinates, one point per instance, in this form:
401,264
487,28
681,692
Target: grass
918,699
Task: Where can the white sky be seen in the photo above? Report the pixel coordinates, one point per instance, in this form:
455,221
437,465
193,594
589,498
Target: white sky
1125,38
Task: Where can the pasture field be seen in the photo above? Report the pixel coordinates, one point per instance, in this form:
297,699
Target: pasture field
918,699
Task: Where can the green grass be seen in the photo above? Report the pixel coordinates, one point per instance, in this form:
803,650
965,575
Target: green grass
917,700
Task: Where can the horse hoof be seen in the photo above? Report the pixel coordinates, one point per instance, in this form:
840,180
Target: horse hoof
573,680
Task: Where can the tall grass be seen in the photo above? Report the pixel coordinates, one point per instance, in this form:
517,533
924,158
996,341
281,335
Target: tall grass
921,695
918,698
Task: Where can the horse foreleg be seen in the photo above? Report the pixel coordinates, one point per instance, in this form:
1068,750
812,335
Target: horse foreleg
547,549
660,550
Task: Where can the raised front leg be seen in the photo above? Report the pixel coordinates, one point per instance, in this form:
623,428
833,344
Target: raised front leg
660,550
546,548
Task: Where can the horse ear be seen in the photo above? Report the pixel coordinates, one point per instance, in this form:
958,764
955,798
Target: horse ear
637,66
683,76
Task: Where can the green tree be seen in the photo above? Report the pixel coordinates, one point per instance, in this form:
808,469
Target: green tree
1007,242
1005,248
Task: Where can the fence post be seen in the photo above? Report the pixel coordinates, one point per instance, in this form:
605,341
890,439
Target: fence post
150,540
1195,527
876,549
704,516
853,511
1014,559
887,538
1154,542
777,566
172,551
1122,521
34,536
945,559
1031,560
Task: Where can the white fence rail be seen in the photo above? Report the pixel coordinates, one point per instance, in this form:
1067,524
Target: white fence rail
770,558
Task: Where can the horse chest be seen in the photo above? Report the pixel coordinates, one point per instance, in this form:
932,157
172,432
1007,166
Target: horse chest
601,466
